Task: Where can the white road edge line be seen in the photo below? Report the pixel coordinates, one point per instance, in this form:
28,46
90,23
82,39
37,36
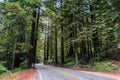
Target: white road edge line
40,75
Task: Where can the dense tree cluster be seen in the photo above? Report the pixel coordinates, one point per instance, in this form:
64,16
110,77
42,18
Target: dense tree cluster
19,26
77,29
86,29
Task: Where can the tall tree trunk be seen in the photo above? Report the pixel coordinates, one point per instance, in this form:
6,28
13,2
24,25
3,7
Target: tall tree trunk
95,37
32,39
36,37
81,50
62,41
88,46
96,43
51,46
91,54
56,54
47,57
62,46
45,48
71,51
13,57
75,37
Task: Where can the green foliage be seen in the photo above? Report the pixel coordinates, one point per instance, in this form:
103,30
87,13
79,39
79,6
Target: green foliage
17,70
82,62
15,29
105,66
70,62
24,65
91,24
3,69
50,62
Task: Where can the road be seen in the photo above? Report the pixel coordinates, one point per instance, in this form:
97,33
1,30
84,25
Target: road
45,72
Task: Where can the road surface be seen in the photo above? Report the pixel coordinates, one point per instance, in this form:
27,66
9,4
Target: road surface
45,72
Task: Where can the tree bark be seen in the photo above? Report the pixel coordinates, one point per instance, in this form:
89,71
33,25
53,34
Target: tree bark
56,54
62,40
32,39
47,57
45,49
36,37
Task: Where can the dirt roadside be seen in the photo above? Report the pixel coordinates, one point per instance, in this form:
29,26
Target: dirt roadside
25,75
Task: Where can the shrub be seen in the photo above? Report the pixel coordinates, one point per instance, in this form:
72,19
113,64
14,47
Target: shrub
70,63
3,69
24,65
105,66
82,62
50,61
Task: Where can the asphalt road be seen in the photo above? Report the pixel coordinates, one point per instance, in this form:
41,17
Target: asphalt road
55,73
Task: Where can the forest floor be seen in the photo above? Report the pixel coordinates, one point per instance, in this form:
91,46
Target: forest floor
115,56
24,75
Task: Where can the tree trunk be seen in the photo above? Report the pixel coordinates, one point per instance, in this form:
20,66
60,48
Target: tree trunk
71,51
32,39
56,54
36,37
13,57
62,41
75,37
47,57
45,49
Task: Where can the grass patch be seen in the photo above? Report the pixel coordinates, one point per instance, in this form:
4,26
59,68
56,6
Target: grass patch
105,66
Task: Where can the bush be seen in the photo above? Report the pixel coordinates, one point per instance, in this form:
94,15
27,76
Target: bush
105,66
17,70
50,61
82,62
70,63
24,65
3,69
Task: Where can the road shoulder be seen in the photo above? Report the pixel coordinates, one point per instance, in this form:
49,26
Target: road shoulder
107,74
25,75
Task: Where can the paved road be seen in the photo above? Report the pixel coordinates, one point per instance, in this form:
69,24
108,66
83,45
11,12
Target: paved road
54,73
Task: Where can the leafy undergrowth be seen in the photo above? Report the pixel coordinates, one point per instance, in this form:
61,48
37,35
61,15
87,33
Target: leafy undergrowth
4,73
70,62
111,64
105,66
102,66
3,69
8,75
20,75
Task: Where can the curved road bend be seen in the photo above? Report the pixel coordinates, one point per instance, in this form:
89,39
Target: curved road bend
55,73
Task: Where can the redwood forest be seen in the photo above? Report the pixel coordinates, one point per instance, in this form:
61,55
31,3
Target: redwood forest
77,34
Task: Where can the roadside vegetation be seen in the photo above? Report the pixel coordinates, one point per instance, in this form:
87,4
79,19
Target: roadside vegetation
6,74
105,66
